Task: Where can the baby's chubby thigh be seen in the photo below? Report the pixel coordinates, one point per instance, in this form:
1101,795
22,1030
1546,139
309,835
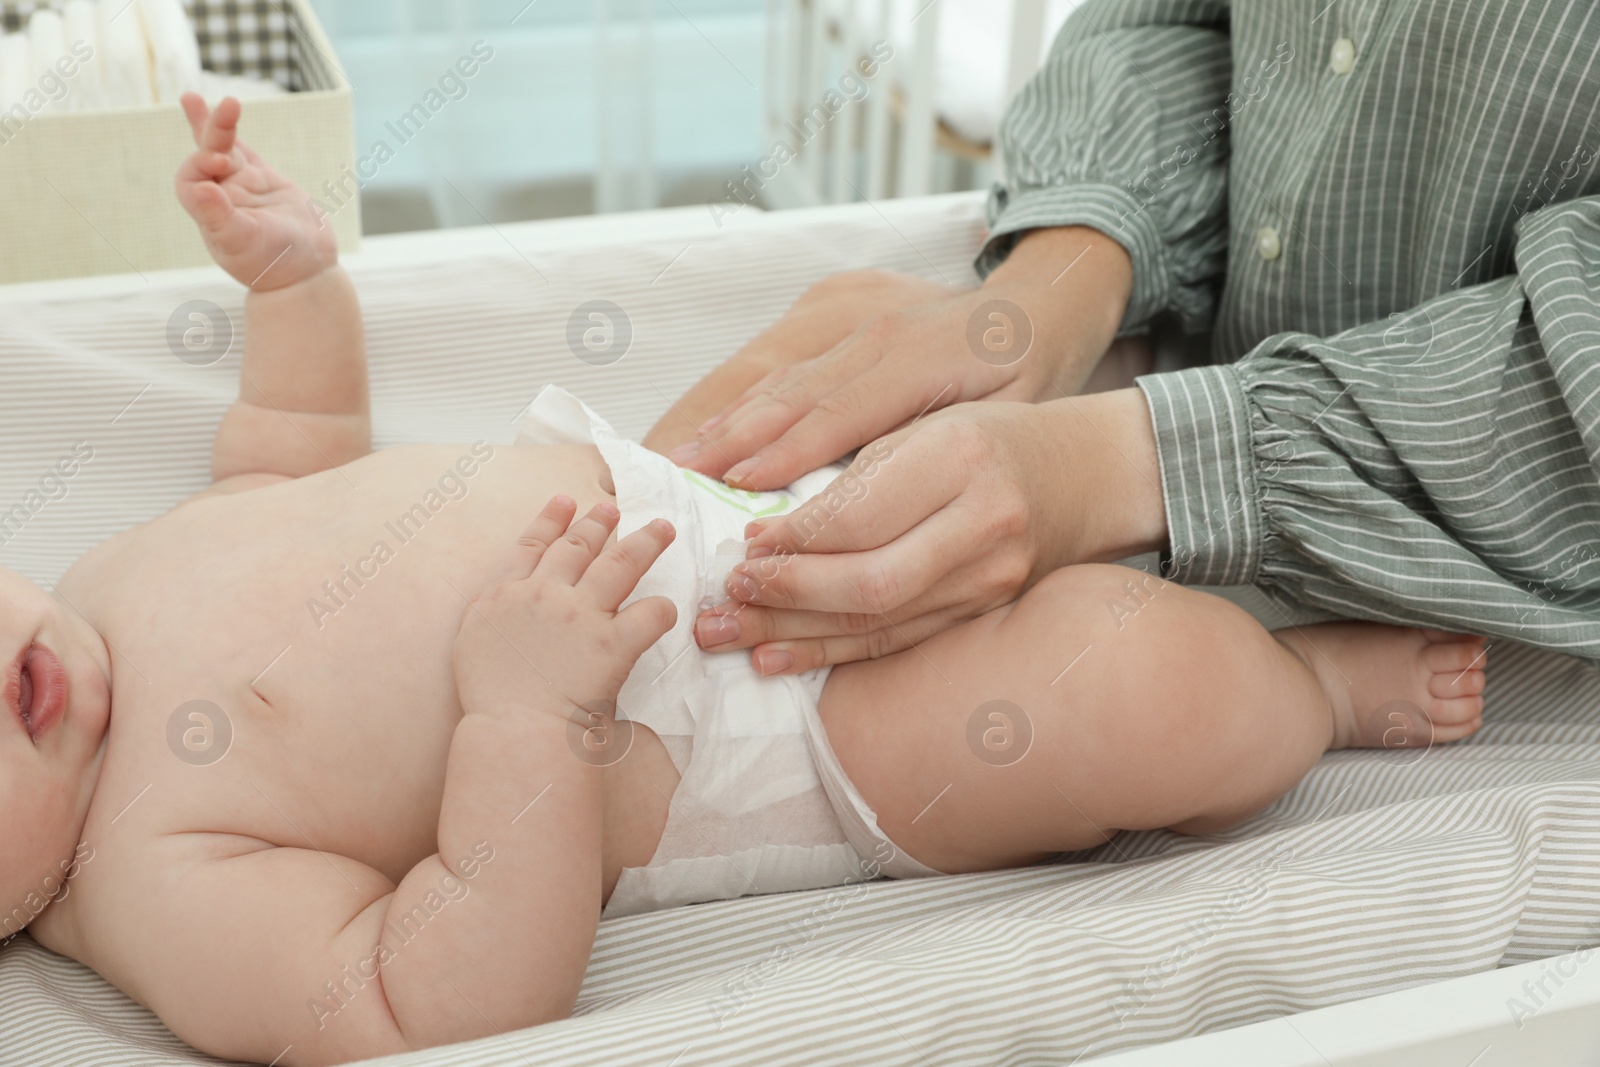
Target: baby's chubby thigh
1092,704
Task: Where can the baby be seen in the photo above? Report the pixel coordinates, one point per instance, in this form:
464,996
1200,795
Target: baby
328,762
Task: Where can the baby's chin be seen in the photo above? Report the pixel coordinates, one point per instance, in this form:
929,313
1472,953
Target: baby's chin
86,718
93,709
85,729
88,663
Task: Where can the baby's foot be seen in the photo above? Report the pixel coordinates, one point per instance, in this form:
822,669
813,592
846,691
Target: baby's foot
1393,686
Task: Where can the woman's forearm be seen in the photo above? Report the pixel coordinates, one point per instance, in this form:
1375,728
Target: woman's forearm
1073,283
1110,484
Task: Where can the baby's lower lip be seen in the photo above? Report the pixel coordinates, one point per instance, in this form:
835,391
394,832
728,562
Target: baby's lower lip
49,697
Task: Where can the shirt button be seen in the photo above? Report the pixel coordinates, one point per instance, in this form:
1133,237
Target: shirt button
1267,243
1343,56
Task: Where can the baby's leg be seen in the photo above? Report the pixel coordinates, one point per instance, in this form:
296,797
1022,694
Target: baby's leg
1107,699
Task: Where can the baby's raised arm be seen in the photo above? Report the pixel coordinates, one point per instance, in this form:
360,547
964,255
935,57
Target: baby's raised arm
302,404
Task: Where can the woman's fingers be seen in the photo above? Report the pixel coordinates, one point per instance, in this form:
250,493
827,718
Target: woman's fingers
875,540
764,417
569,556
890,368
884,396
540,534
931,526
733,624
761,385
896,374
877,581
863,409
612,577
893,485
792,657
698,453
819,323
874,403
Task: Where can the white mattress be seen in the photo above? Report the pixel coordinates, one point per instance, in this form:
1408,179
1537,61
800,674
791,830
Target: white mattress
1380,872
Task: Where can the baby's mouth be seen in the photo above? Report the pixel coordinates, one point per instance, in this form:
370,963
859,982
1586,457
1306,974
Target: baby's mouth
25,695
38,688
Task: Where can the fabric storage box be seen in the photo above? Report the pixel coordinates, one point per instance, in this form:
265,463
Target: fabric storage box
91,192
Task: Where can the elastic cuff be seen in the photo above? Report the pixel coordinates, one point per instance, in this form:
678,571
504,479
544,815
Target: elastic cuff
1208,477
1113,211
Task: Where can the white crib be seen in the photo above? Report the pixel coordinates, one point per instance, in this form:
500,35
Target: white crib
927,121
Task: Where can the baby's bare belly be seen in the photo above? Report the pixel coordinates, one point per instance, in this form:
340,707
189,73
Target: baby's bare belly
318,617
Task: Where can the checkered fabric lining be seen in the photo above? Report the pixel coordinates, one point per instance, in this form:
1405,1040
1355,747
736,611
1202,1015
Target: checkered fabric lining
257,38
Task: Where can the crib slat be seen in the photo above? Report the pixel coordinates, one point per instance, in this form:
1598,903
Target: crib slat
917,135
816,84
843,135
875,154
1022,61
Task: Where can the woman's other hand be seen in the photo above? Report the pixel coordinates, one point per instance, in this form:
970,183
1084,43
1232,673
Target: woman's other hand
941,522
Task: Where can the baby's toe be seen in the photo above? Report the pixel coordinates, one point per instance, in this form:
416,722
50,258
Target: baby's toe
1456,683
1455,718
1454,656
1467,683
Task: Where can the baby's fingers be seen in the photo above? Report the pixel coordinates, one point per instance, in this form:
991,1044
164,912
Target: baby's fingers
205,202
642,624
212,160
214,132
567,559
196,111
613,576
540,534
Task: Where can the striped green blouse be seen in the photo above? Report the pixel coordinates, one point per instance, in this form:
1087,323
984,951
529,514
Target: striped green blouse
1386,213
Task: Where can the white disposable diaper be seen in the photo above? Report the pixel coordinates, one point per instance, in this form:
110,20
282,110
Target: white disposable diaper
751,814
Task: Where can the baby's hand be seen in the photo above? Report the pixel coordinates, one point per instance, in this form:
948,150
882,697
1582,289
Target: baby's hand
545,634
259,226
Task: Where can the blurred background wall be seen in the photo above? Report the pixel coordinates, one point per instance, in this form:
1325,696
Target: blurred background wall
580,106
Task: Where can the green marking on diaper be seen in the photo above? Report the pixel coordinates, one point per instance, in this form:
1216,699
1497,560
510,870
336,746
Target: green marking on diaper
743,499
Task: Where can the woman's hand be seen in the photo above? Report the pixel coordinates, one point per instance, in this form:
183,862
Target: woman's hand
825,314
257,224
546,633
941,522
1033,331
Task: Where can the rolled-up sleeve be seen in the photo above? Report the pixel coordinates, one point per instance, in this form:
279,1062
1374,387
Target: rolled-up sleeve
1124,129
1440,467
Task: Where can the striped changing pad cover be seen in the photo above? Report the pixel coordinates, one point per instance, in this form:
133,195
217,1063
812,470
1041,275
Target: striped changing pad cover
1379,872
